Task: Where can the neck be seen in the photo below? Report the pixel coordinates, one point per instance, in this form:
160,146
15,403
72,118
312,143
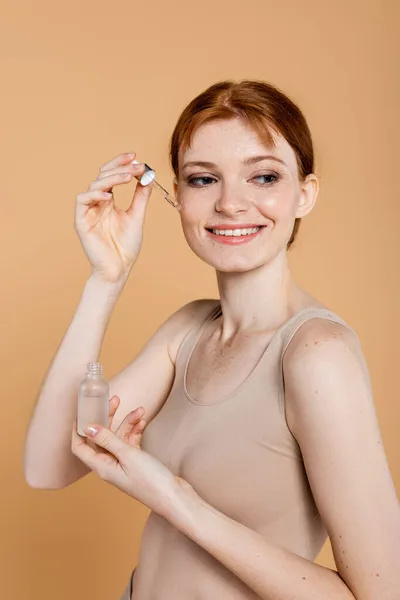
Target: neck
259,300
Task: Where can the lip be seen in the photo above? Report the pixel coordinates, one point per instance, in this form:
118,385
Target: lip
235,226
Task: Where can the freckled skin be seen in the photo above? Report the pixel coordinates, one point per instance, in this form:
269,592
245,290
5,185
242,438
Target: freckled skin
233,194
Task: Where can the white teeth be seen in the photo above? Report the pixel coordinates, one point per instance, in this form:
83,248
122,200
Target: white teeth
236,232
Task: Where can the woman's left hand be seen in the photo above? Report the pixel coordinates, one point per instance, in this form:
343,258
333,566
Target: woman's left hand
124,464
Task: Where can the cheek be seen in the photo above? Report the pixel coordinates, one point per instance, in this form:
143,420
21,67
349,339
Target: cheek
192,212
278,205
190,218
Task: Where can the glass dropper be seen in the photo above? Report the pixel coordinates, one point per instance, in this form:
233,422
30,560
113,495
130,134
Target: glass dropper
149,177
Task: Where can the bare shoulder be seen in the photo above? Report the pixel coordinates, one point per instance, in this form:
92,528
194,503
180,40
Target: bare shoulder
136,384
320,336
188,317
322,353
324,360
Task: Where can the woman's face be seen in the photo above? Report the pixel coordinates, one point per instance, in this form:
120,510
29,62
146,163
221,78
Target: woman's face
236,192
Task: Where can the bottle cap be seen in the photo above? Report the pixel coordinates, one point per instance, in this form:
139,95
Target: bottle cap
148,176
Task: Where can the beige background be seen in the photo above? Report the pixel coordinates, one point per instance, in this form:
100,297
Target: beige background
84,81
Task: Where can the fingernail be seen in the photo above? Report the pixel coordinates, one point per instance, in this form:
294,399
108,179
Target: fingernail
91,431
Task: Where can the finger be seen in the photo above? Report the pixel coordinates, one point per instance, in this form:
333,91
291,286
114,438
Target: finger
121,159
113,405
93,197
139,427
81,449
137,208
107,180
131,420
138,169
107,183
108,440
135,435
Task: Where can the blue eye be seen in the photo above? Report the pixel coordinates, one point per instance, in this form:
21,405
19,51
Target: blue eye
192,180
269,176
205,181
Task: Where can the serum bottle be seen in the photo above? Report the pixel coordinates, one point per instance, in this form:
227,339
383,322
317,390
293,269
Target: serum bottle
93,398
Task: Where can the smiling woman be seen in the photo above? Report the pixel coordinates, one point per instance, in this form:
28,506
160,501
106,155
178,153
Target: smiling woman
246,423
265,109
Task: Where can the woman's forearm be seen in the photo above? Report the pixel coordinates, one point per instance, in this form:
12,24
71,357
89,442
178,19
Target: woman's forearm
272,572
48,460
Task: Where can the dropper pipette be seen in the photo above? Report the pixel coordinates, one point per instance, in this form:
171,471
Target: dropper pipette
149,177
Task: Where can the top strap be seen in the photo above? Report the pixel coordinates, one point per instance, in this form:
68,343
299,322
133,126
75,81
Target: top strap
310,312
192,336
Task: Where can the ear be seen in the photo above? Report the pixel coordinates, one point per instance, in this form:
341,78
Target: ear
175,185
309,189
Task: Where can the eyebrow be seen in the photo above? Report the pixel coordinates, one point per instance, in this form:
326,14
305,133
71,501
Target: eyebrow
247,161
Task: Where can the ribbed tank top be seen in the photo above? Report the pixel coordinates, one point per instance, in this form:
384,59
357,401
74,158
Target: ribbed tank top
239,455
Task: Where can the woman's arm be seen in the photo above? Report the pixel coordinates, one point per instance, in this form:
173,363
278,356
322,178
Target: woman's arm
48,461
272,572
331,413
330,410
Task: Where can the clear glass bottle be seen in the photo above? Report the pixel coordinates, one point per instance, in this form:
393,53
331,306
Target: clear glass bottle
93,398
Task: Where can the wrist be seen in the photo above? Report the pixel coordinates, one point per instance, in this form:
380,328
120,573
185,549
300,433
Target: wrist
185,509
106,287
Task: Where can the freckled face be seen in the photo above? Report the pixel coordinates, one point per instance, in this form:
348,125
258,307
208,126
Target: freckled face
239,191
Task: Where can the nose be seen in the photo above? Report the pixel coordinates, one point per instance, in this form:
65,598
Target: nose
231,200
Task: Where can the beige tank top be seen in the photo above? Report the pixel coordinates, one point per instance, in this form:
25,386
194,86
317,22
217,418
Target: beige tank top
240,456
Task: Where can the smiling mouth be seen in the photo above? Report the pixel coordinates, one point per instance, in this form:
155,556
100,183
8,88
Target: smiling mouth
237,232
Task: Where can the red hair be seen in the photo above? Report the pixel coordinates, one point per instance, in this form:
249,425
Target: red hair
263,105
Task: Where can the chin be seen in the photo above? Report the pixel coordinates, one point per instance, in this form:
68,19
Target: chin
239,259
232,264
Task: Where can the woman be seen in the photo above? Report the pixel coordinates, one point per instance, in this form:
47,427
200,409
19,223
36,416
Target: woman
246,424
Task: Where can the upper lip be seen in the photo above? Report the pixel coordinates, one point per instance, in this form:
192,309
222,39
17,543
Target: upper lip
235,226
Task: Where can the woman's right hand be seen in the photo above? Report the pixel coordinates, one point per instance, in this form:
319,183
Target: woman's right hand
111,237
